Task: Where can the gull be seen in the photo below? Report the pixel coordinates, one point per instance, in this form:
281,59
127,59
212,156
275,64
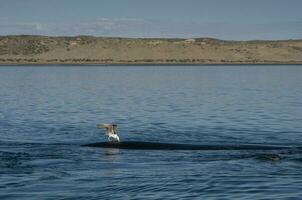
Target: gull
111,132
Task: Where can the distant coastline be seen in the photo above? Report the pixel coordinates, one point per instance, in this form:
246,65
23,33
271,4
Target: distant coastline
35,50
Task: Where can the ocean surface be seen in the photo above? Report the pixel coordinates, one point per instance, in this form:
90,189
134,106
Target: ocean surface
48,112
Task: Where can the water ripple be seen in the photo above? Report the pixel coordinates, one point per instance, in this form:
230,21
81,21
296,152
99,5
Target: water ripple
47,113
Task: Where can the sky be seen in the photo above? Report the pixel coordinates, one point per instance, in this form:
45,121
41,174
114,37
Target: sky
223,19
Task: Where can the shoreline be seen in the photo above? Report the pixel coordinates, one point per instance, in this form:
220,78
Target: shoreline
144,63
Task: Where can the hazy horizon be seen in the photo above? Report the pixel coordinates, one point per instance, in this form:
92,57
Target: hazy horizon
231,20
180,38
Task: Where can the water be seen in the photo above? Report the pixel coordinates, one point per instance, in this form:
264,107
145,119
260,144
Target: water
46,113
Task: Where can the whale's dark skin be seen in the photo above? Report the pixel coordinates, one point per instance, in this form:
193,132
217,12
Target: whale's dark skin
174,146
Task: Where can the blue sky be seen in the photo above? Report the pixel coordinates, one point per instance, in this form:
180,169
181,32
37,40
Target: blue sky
225,19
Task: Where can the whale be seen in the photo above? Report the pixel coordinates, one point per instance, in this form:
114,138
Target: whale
138,145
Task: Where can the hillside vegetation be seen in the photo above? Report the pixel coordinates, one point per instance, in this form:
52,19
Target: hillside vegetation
99,50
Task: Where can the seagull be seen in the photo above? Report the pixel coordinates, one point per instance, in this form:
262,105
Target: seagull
111,132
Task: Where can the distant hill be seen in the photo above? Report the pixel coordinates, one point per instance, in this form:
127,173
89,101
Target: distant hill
25,49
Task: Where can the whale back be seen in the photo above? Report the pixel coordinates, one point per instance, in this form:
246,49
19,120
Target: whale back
174,146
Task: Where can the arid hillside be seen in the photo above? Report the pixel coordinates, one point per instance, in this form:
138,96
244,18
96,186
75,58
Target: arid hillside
87,49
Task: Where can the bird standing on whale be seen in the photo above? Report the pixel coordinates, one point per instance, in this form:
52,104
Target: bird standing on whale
111,132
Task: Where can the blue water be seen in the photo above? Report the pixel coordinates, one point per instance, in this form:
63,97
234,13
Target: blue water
47,113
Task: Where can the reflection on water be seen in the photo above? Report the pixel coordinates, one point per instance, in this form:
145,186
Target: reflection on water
111,154
47,113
